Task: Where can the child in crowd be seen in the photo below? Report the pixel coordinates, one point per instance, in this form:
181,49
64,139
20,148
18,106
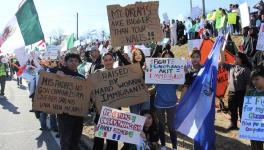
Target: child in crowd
257,79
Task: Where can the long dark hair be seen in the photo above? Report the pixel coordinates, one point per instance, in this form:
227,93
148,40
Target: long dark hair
154,125
143,57
244,59
167,52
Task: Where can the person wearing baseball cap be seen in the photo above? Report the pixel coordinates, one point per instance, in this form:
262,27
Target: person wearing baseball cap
96,59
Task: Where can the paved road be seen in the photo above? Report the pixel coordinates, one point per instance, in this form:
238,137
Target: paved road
19,129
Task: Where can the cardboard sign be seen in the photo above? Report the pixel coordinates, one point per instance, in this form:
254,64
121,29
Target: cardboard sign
120,87
232,18
57,95
194,44
165,71
134,24
260,44
117,125
252,123
244,13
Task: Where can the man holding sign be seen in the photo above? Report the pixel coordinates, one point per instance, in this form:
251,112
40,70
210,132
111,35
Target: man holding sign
61,94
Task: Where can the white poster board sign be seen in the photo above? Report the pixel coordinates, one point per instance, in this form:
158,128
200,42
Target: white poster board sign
22,56
194,44
166,18
260,44
244,13
52,51
164,71
252,122
196,12
120,126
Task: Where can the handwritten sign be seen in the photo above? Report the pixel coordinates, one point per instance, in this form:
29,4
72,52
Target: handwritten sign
57,95
260,44
194,44
120,87
165,71
231,17
252,123
117,125
244,13
134,24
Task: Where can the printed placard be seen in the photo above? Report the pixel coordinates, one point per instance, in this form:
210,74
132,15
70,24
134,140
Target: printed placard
119,87
165,71
137,23
57,95
120,126
252,122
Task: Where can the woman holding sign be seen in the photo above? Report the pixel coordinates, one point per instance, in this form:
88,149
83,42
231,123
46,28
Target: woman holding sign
165,102
137,57
108,62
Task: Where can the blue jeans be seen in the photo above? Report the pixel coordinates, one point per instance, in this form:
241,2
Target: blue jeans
136,109
53,122
43,121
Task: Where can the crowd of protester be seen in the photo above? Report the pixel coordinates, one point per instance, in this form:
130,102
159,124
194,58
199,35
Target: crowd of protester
246,77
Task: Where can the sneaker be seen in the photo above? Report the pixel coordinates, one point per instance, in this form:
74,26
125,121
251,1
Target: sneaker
163,148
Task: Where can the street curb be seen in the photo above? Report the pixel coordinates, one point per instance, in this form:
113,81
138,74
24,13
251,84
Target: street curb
86,144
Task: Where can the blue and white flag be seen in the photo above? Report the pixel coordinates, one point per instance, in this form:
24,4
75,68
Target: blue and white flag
195,113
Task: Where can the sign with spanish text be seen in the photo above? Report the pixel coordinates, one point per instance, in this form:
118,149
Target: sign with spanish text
252,122
165,71
120,126
137,23
57,95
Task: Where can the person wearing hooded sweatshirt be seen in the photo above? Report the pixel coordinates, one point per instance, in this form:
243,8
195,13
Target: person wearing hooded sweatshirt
165,103
239,79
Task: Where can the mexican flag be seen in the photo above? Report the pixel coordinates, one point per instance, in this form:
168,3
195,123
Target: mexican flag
23,29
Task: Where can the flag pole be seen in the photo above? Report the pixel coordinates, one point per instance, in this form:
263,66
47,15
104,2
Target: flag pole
77,22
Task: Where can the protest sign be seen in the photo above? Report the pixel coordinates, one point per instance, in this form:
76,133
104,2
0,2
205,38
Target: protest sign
244,13
120,87
22,56
164,71
144,49
260,44
120,126
252,122
137,23
57,95
30,72
166,18
196,12
218,23
232,18
52,52
194,44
